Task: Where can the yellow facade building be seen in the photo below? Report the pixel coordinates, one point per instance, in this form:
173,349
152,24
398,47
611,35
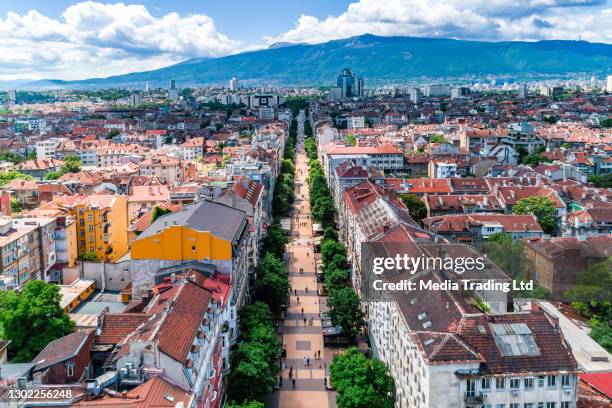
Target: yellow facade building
100,225
205,231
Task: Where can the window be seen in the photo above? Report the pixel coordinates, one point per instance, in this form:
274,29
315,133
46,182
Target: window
541,381
550,404
528,405
528,383
552,382
500,383
90,228
471,387
566,381
515,383
515,405
540,405
565,404
485,383
89,217
500,405
69,370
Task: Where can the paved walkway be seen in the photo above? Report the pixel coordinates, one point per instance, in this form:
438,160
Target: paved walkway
302,339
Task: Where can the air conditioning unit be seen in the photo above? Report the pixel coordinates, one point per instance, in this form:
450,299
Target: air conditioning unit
567,391
124,371
515,393
134,372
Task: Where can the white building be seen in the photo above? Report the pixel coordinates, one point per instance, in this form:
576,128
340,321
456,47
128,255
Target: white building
609,84
233,85
355,122
46,148
437,90
266,112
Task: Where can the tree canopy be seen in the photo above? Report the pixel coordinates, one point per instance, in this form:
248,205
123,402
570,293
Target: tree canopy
32,318
361,382
542,207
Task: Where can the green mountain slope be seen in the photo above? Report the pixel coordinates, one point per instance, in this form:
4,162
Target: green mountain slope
379,58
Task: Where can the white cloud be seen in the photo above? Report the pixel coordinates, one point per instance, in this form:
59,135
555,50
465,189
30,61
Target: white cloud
465,19
95,39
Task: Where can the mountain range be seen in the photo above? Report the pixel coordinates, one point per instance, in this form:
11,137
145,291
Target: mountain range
373,57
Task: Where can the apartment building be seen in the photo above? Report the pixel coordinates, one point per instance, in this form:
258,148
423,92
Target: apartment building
101,223
556,263
383,157
193,148
477,227
182,332
27,250
206,231
166,168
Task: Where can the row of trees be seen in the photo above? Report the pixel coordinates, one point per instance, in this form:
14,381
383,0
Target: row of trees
284,189
360,382
255,361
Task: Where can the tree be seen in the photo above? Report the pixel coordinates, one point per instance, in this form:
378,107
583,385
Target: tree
7,176
508,254
592,295
602,181
274,241
360,382
416,207
89,257
330,233
250,378
345,310
323,211
543,208
534,159
329,249
272,283
601,332
246,404
158,212
253,315
16,205
32,318
287,166
336,279
438,139
113,132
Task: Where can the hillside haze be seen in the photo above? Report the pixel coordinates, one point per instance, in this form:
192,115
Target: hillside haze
375,58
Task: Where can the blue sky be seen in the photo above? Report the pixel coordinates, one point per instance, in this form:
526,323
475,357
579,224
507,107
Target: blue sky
72,39
245,20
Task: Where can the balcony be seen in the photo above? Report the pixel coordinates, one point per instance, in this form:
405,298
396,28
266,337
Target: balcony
473,399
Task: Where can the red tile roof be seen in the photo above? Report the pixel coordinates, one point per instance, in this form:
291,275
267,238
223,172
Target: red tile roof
118,326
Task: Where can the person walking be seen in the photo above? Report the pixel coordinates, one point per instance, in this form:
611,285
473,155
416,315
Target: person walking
302,311
293,382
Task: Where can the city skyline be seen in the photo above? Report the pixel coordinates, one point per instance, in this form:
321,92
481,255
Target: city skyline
77,40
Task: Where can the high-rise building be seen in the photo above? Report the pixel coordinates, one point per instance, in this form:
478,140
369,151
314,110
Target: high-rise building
135,99
415,95
346,82
609,84
12,94
147,86
173,91
522,91
359,88
459,92
233,84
